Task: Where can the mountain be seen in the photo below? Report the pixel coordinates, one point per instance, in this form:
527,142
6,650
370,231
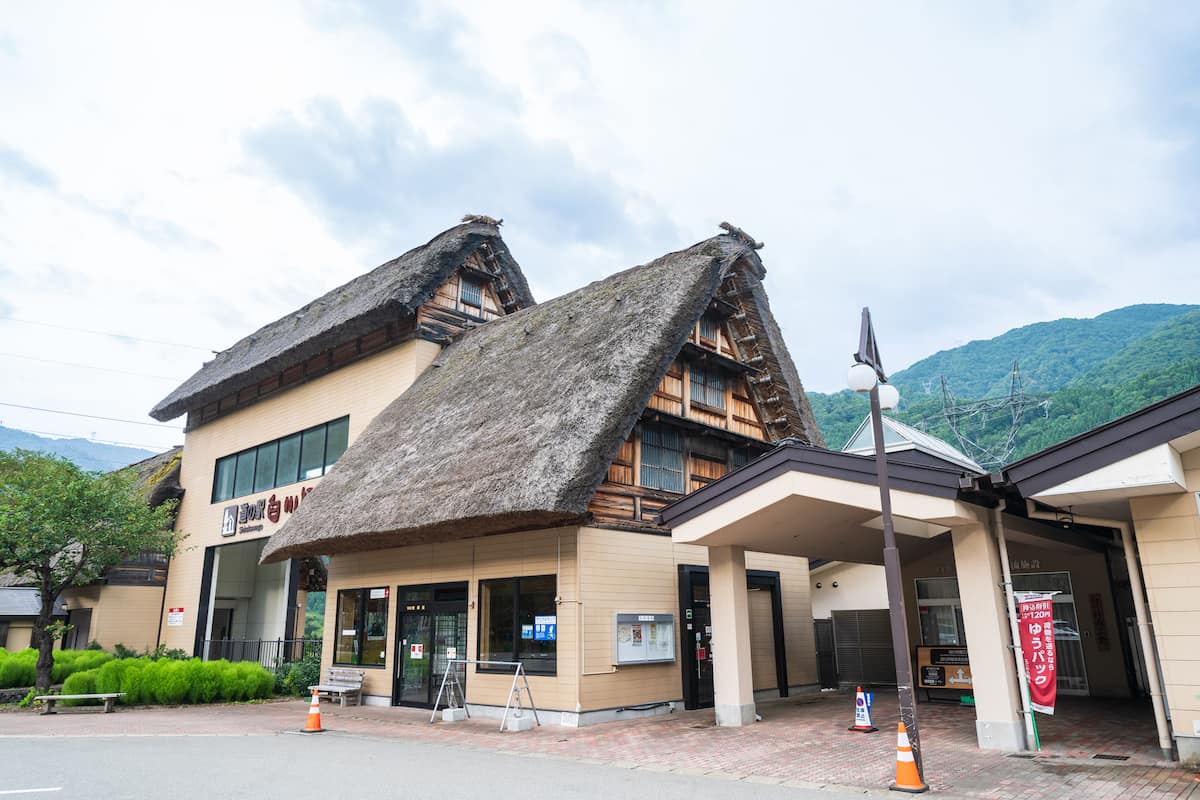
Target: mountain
86,454
1082,372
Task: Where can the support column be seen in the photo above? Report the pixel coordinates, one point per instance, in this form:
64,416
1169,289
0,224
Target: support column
997,699
733,682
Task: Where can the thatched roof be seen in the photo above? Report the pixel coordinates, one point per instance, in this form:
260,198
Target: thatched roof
158,476
385,294
515,425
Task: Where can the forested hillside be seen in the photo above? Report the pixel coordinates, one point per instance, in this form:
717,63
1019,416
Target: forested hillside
1089,371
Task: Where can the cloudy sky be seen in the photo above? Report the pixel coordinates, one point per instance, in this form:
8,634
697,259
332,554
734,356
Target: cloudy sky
181,175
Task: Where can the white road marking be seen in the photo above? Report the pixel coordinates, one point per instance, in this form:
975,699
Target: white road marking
31,791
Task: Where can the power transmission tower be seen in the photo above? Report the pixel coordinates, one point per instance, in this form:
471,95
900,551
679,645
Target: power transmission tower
986,429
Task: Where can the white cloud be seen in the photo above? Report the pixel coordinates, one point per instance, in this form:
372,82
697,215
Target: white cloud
962,170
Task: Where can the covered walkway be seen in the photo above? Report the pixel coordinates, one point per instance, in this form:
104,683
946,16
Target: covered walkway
800,500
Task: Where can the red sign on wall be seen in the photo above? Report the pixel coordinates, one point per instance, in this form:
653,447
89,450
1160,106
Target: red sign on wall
1036,625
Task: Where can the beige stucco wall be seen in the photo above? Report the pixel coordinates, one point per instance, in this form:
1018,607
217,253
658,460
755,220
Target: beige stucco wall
859,586
120,614
509,556
626,572
20,633
1105,668
361,390
1167,530
601,572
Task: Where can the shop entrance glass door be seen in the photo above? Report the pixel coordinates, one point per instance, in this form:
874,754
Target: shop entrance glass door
431,629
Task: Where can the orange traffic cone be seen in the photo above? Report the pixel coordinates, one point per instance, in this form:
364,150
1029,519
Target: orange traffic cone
907,777
862,714
313,725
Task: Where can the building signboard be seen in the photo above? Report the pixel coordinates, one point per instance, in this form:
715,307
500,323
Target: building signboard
242,518
943,668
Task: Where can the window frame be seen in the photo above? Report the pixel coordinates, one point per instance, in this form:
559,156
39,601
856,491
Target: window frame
360,625
708,373
277,443
682,453
476,290
516,649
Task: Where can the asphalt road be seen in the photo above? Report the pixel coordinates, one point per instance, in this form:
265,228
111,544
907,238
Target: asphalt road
330,765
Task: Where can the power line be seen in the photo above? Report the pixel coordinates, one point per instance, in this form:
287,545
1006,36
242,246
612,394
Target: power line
89,366
93,416
108,333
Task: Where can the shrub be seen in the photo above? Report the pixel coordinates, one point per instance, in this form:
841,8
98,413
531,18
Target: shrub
18,670
303,673
131,680
205,678
109,676
83,682
144,679
170,685
121,651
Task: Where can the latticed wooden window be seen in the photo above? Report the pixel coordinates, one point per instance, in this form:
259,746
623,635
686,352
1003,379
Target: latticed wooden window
662,458
472,293
709,327
708,386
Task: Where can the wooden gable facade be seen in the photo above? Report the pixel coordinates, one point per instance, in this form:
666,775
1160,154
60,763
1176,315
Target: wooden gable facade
714,410
476,292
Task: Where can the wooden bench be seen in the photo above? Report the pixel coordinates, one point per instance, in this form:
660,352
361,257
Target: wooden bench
345,683
50,699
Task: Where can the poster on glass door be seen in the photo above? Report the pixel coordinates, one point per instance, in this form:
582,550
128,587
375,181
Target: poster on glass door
1036,625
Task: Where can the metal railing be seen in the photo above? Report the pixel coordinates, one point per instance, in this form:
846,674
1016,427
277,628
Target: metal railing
270,653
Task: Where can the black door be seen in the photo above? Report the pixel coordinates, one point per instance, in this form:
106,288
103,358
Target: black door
696,641
431,629
826,653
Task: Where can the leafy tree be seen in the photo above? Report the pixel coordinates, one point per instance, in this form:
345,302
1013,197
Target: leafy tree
62,527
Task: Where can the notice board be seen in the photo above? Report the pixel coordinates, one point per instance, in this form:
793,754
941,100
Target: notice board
943,668
643,638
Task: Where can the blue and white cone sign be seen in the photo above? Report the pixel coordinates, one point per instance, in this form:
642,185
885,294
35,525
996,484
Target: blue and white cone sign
862,713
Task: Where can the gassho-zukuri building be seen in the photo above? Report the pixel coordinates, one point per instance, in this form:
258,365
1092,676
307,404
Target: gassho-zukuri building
621,489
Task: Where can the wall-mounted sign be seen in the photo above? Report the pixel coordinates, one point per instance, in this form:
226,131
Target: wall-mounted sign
241,518
175,618
943,668
643,638
416,651
545,629
526,631
451,653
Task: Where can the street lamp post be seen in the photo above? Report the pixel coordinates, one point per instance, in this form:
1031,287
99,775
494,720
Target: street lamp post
867,375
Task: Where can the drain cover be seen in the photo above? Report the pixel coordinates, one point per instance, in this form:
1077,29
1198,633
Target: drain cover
1107,757
1020,755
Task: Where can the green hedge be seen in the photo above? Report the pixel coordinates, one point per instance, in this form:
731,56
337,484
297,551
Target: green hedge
19,669
172,682
144,680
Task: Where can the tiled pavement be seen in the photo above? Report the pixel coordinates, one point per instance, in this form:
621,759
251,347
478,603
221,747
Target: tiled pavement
802,741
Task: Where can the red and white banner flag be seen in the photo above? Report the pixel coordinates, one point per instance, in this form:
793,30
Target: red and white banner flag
1036,614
